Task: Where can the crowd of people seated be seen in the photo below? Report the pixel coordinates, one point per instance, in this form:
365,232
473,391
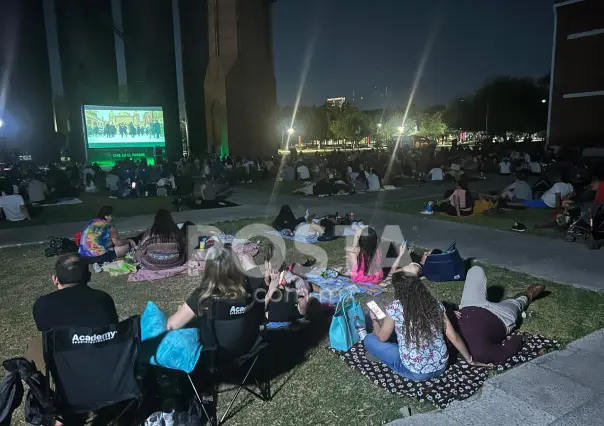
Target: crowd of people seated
412,339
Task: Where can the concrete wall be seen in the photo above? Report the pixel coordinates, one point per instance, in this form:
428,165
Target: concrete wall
151,63
577,97
88,63
240,82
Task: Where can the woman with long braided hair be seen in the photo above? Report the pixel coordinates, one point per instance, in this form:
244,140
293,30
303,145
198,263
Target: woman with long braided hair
421,324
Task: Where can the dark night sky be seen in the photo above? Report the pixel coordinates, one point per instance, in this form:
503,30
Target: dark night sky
361,44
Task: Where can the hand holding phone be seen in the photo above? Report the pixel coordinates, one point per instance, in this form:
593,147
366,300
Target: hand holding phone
379,314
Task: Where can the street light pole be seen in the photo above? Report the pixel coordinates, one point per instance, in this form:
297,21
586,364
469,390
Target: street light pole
486,120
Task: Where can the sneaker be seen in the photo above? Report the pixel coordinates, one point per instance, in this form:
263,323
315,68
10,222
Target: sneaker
519,227
426,212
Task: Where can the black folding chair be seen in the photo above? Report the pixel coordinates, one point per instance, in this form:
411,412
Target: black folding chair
93,370
232,345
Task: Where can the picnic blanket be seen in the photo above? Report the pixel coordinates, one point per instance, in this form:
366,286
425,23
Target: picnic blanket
196,265
333,288
148,275
63,202
459,381
288,235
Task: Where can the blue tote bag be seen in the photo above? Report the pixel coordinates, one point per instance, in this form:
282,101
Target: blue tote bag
342,332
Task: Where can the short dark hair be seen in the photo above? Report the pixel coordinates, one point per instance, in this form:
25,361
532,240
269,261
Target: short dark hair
105,211
71,269
9,189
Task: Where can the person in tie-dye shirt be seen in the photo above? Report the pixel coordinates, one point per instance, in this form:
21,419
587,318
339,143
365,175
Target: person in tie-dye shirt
100,242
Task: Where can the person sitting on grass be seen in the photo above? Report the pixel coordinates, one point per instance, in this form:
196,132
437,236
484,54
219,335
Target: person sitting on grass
75,304
485,325
12,205
421,324
100,242
162,245
458,202
554,197
519,191
365,257
286,219
37,189
597,185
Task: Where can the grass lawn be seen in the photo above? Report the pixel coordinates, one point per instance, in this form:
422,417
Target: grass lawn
89,208
322,390
285,187
504,221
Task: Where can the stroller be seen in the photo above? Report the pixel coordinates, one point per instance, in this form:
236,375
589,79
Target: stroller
589,225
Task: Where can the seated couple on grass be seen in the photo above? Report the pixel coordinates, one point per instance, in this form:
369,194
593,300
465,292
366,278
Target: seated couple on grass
162,246
420,324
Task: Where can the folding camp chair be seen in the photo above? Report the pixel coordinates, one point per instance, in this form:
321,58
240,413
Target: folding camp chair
232,345
93,369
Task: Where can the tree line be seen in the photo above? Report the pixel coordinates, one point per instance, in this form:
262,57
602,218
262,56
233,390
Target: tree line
500,106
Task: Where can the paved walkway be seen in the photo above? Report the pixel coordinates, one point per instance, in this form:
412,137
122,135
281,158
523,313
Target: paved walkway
543,257
563,388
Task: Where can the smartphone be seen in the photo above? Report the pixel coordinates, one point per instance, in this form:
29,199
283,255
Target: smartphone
379,314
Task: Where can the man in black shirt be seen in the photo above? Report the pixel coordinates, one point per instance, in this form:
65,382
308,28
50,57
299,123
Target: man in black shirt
73,305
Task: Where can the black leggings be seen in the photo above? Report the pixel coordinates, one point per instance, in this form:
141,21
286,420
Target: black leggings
450,209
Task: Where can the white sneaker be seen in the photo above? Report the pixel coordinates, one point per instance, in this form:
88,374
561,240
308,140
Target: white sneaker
426,212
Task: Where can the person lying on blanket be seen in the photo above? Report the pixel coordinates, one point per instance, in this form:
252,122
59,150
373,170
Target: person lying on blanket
365,257
287,298
485,325
421,324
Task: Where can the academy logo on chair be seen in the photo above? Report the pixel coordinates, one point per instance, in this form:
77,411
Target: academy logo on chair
94,338
237,310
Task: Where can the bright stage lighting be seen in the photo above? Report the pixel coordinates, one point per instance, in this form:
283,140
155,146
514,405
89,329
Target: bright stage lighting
1,123
291,131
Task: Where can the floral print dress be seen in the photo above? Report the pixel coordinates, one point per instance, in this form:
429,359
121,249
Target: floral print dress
429,357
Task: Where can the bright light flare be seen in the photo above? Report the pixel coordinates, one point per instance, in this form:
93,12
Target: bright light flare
291,131
1,123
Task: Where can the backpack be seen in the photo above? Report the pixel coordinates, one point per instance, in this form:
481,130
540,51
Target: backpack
58,246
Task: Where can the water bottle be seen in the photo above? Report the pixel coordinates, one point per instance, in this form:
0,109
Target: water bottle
360,328
429,207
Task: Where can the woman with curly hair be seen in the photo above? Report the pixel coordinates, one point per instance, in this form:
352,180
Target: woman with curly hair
421,324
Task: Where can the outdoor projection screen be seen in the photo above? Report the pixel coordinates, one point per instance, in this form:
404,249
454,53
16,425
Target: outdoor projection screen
111,127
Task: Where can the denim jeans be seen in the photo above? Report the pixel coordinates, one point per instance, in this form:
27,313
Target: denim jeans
388,354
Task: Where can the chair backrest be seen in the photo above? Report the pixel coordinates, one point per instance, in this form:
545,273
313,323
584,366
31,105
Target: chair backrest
93,368
231,327
448,266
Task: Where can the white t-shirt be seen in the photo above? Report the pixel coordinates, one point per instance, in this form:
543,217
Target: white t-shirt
455,167
11,206
437,174
504,167
37,190
527,158
535,167
303,172
522,190
374,182
549,197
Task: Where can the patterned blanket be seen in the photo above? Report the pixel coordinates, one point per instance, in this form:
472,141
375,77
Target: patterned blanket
460,381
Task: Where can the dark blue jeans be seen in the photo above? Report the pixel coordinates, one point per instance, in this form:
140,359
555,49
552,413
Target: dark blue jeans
388,354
